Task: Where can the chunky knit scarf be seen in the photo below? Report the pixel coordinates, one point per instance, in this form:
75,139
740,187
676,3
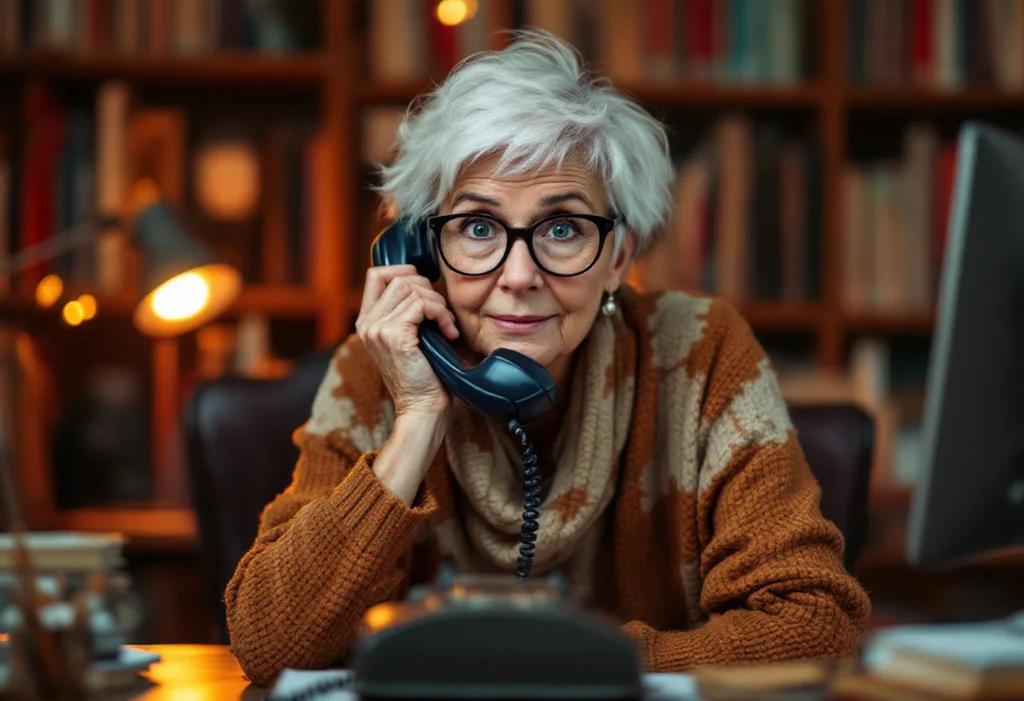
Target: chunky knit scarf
486,461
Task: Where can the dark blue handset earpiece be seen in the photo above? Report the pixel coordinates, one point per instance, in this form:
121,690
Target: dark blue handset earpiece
507,385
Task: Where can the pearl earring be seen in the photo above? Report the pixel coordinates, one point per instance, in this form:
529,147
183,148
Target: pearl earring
610,306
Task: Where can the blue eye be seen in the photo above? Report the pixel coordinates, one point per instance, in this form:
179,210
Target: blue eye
480,229
561,230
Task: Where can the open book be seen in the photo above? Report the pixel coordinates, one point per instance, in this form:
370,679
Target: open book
962,660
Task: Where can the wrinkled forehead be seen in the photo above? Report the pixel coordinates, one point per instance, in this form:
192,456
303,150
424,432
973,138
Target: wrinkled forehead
527,186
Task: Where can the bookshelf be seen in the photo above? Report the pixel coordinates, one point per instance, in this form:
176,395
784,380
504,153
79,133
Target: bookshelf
828,100
335,78
964,100
309,70
319,76
286,301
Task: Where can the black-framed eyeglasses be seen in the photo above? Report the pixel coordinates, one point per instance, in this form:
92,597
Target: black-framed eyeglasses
477,244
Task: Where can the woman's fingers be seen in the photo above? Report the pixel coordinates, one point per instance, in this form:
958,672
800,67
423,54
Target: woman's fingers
378,278
401,289
396,304
385,330
393,294
437,310
403,301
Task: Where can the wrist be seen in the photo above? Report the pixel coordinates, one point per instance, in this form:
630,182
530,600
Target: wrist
421,424
404,459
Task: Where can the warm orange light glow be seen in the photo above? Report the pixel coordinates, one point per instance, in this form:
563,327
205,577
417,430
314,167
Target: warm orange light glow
181,297
380,616
453,12
73,313
88,304
188,300
49,290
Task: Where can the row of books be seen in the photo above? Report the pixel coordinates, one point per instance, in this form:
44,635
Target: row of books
643,40
748,219
894,222
253,192
937,43
157,27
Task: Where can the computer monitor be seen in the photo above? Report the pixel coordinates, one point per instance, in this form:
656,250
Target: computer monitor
969,498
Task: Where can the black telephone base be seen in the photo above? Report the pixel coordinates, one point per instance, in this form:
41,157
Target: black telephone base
488,637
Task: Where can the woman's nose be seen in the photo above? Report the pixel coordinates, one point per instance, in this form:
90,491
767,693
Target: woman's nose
519,271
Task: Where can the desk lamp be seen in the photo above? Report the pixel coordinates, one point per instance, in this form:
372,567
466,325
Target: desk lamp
184,285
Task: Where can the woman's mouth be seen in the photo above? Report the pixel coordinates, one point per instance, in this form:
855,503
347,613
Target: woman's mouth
519,324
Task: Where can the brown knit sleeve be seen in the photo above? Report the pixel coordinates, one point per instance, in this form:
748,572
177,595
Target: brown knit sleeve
773,584
332,544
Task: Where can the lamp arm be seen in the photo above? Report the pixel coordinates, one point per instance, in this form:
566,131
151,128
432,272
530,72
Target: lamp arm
11,505
60,242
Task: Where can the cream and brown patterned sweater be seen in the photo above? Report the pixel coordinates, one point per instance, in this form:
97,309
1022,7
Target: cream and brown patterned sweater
681,503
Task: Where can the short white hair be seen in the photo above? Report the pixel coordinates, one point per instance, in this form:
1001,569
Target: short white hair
533,103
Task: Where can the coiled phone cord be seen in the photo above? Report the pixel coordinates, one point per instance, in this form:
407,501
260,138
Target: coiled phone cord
531,500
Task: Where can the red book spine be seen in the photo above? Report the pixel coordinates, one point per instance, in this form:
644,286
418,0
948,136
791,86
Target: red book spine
699,26
920,43
43,145
443,40
943,200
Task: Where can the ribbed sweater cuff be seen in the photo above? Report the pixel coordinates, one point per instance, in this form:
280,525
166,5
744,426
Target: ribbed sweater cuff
369,509
643,635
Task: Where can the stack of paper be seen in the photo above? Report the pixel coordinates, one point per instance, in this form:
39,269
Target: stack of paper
59,551
964,660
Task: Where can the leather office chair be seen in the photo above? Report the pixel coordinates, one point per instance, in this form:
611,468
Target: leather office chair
238,434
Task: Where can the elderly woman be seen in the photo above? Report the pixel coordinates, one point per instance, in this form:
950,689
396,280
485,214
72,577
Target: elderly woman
674,493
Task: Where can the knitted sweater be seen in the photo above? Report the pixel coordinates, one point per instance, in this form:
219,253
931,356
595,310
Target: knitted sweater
681,504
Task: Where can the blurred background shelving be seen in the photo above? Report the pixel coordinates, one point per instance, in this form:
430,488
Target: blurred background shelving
306,68
813,139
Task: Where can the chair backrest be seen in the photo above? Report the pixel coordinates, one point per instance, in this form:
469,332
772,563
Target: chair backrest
838,441
238,434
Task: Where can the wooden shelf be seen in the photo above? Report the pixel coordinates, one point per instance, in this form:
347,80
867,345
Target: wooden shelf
920,323
281,301
278,301
891,497
725,95
220,69
780,316
390,93
807,96
144,527
893,556
918,99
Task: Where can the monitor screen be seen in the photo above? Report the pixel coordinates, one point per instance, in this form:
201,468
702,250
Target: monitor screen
969,498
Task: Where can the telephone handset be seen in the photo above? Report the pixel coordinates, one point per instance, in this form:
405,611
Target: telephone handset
506,386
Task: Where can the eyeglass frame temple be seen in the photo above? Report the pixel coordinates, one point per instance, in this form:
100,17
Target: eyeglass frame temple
605,226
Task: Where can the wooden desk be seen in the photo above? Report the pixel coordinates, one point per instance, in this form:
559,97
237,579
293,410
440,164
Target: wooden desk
210,672
193,672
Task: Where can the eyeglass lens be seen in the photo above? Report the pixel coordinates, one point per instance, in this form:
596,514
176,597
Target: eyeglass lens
475,245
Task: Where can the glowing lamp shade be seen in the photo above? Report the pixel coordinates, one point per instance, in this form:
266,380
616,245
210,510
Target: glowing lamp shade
184,286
